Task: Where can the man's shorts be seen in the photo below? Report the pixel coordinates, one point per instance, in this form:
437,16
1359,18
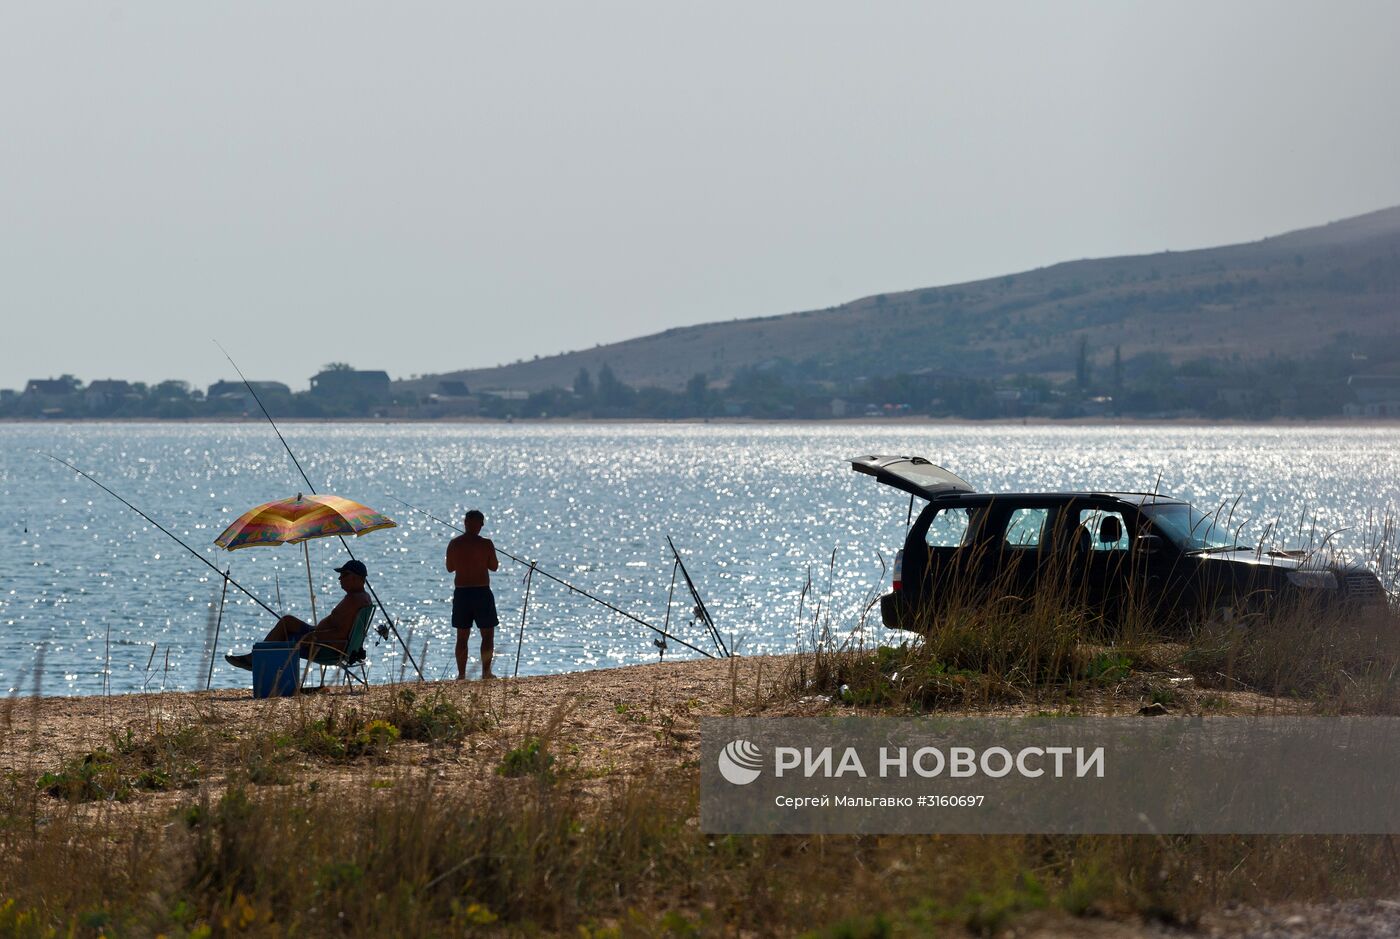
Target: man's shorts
474,605
295,628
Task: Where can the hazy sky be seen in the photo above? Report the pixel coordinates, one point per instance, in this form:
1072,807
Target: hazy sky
421,187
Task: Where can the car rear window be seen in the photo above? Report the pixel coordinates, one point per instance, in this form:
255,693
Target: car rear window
948,529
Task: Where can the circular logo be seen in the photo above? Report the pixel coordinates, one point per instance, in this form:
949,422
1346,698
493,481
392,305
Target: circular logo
740,762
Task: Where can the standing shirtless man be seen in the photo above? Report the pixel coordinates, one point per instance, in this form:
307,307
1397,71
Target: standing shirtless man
472,558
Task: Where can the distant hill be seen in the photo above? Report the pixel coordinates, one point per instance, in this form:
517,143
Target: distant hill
1334,289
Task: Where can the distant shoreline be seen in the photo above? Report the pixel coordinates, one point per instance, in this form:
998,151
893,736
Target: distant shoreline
909,421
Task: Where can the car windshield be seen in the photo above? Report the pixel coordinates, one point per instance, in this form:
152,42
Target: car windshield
1189,528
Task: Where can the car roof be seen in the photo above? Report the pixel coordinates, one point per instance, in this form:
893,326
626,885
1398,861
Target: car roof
919,477
1051,498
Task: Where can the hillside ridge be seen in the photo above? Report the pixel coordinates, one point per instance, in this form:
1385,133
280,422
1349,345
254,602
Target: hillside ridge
1282,296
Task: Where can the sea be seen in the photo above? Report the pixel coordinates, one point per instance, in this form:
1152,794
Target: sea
784,544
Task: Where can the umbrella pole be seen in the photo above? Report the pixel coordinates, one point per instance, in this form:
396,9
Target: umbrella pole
306,553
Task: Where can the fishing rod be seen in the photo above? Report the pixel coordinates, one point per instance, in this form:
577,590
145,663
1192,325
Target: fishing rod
702,612
579,590
158,525
343,543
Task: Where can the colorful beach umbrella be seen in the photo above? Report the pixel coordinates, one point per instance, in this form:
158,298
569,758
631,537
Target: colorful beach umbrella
292,521
297,521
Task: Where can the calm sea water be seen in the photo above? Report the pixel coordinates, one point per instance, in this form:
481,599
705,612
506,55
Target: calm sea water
94,597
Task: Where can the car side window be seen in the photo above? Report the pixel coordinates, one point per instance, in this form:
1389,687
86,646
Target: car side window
948,529
1092,521
1025,527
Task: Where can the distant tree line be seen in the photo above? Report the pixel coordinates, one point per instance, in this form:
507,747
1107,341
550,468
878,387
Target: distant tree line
1104,383
1144,386
357,394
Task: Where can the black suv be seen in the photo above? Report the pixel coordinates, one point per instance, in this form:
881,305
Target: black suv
1110,551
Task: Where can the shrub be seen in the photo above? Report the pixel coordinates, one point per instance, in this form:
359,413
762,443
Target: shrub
162,762
436,720
94,776
346,736
528,759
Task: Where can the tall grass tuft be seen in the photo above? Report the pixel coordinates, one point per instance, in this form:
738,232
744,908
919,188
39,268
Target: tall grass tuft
412,859
1339,660
1037,632
982,644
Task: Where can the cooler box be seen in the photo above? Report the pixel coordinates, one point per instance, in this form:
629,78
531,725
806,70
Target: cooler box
276,669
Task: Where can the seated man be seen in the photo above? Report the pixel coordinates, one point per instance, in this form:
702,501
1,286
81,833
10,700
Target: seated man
333,630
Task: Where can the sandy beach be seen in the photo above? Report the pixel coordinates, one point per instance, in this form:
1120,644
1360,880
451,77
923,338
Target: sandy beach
605,720
604,728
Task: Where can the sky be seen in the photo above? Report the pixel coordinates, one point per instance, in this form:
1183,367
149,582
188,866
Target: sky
422,187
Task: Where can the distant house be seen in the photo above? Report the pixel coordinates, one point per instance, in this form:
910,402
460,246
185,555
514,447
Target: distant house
1097,406
452,399
233,396
1008,401
50,387
237,389
1375,396
508,394
350,383
106,394
50,395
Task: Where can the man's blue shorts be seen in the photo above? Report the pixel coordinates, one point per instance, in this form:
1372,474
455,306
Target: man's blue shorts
474,605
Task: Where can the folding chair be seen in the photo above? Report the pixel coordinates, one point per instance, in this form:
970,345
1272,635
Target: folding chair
352,658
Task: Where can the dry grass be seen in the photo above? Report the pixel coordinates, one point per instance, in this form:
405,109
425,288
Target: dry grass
984,644
452,809
392,855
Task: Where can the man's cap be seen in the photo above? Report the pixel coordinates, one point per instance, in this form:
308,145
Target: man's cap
353,567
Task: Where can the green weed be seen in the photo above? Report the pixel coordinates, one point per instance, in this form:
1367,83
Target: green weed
163,762
346,736
529,759
1108,667
435,720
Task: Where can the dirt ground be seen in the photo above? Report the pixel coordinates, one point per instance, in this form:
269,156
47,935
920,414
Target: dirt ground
617,718
623,720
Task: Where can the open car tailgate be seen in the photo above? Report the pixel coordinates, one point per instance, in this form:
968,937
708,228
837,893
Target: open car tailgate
912,474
